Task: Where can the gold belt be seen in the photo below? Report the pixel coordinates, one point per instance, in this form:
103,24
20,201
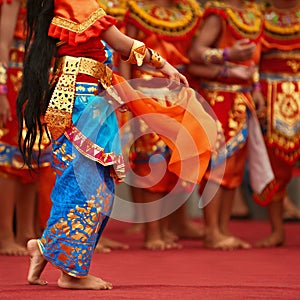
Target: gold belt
59,112
75,65
217,86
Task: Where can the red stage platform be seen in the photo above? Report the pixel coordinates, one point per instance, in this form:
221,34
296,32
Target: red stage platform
190,273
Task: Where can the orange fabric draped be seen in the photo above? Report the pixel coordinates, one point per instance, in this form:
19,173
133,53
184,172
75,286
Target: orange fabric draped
186,128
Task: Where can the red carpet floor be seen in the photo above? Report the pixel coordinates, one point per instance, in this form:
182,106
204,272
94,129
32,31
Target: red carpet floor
190,273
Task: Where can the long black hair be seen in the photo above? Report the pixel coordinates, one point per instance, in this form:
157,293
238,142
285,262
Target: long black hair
34,94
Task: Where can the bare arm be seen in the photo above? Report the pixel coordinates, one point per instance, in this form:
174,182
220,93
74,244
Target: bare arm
213,71
122,44
125,67
204,71
207,38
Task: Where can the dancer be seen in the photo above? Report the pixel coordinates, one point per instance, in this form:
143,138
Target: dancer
280,86
86,149
225,56
154,23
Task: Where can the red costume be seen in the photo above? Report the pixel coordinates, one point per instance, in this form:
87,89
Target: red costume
280,65
169,31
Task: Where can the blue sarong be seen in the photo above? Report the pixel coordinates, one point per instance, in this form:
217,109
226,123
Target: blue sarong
83,193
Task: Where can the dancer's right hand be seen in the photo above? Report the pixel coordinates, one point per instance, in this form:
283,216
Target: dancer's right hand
173,74
242,50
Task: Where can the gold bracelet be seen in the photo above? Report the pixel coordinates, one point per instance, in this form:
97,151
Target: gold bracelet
137,53
256,76
3,73
213,56
156,60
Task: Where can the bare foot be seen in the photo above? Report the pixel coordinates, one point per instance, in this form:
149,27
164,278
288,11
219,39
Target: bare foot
10,247
172,245
276,239
37,264
101,248
241,244
155,244
105,245
170,240
190,230
169,235
113,244
22,241
135,228
88,283
223,242
290,211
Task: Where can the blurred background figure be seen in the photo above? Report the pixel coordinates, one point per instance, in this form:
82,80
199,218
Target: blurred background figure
280,65
224,62
24,196
167,27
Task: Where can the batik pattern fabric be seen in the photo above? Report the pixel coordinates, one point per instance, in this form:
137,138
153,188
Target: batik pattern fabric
84,189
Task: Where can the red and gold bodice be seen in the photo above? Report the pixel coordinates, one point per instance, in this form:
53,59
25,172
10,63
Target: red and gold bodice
246,23
168,30
281,41
280,69
78,28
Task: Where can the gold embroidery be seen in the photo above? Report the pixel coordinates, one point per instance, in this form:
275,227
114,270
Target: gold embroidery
283,55
282,23
237,115
288,103
217,86
247,22
16,80
215,97
295,66
76,27
283,113
152,17
59,113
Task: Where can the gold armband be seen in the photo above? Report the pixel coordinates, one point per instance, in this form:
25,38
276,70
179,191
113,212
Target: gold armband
215,56
137,53
156,60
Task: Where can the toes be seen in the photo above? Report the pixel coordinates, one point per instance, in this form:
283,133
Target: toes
155,245
173,245
102,249
38,281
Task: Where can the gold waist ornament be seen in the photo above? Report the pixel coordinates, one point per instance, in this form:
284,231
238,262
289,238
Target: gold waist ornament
59,112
